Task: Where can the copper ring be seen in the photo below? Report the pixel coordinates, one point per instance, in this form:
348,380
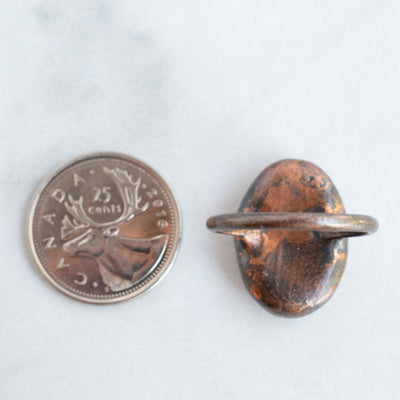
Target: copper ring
331,225
290,235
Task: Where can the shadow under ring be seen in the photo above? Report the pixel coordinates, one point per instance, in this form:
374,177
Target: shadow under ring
327,225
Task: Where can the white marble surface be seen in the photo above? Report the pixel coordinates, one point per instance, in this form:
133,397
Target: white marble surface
208,93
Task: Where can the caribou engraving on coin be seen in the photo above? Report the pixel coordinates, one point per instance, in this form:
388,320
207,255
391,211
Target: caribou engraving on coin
104,228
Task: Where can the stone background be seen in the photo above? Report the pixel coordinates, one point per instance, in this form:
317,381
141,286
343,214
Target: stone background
208,93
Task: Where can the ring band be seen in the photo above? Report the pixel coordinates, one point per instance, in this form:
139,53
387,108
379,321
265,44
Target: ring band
330,225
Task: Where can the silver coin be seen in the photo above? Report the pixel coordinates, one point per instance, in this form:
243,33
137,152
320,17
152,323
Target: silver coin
104,228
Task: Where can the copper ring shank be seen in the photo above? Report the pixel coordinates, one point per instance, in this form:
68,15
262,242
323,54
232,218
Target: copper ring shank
330,225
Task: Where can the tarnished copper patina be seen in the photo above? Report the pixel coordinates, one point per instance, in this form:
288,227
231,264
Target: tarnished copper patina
290,237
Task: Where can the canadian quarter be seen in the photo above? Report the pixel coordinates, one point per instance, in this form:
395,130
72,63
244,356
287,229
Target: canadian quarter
104,228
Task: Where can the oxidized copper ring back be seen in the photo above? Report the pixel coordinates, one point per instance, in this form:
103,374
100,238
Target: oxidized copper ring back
291,237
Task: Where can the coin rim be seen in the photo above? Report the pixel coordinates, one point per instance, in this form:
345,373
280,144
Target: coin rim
30,220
